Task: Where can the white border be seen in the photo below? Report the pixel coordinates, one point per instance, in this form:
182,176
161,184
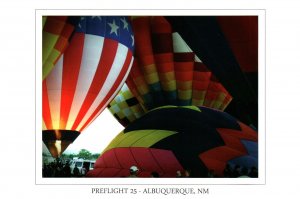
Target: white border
150,181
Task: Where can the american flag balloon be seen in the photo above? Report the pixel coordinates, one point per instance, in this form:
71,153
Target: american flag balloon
85,79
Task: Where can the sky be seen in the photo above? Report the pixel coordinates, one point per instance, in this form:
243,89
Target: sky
96,136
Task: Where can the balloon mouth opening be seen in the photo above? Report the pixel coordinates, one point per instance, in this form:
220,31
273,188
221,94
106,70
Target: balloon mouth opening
56,134
58,140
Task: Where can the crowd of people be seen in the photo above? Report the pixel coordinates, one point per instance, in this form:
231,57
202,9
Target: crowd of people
239,172
229,172
60,169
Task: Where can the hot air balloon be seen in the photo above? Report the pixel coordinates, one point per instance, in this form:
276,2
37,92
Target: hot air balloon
85,78
125,107
57,31
228,45
171,138
166,72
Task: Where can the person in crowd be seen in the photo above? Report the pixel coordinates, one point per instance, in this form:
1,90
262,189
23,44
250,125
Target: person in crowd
58,172
187,173
244,173
76,171
178,174
154,174
227,173
133,172
237,171
67,170
211,173
253,172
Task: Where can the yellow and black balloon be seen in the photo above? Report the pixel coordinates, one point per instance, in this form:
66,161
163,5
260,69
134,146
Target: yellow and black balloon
170,139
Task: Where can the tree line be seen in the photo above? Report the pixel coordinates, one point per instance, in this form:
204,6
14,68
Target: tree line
83,153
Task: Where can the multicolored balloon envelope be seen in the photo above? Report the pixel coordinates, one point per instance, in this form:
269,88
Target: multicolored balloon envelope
170,138
85,79
167,72
125,107
57,31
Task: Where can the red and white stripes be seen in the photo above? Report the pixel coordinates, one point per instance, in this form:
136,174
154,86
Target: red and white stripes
83,82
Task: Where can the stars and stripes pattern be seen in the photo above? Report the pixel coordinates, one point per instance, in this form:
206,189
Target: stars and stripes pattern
89,74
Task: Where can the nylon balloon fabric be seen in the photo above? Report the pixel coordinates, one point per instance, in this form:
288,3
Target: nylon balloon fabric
167,72
85,78
57,32
171,138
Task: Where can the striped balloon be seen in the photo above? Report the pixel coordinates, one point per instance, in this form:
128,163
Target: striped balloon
167,72
195,81
85,79
57,31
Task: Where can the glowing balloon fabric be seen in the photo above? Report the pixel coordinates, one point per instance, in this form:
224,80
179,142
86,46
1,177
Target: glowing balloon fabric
86,77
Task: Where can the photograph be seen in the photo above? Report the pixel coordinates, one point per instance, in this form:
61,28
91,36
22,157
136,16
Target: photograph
177,94
158,99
